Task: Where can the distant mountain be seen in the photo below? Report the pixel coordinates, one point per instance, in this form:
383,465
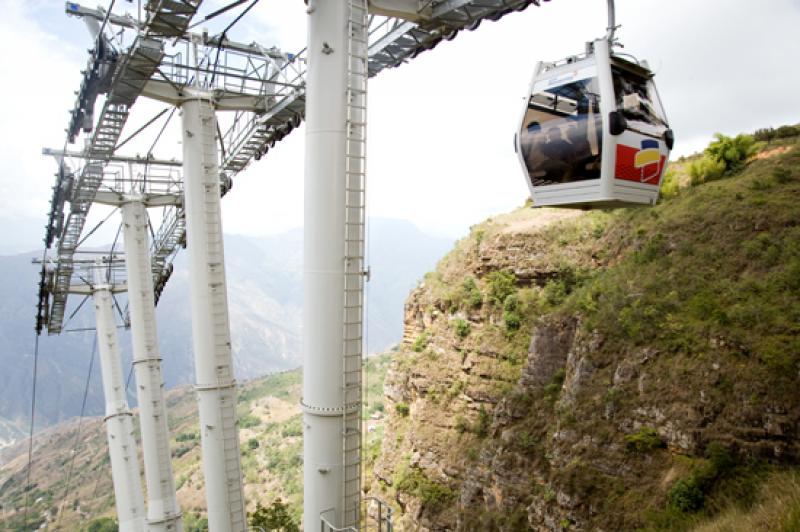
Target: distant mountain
265,295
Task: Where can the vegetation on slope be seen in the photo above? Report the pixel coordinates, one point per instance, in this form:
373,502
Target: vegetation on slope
675,401
270,436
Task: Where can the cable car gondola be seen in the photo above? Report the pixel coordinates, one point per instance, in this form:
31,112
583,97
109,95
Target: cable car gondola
593,132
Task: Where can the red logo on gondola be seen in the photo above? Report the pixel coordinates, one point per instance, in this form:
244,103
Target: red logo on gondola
642,165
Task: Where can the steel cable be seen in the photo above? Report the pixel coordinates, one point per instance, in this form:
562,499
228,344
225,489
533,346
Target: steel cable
78,432
30,435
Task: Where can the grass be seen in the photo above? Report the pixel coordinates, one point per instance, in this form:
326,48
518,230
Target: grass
776,508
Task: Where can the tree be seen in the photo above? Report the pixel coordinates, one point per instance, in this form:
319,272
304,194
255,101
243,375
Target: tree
103,524
275,517
765,134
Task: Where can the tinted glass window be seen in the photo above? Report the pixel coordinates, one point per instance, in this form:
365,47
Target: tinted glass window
561,135
636,97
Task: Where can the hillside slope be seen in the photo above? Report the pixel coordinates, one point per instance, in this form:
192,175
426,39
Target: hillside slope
270,436
622,370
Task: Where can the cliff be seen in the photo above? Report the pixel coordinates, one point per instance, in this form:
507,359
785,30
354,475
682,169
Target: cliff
621,370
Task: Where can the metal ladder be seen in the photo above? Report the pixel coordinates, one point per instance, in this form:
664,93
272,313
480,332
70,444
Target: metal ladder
222,350
354,251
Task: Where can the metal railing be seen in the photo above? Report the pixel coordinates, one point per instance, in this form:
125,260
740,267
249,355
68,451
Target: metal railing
376,516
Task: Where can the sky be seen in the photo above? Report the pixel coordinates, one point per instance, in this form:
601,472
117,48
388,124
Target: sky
440,150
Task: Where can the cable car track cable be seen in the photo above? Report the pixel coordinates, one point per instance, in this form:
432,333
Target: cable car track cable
78,432
30,435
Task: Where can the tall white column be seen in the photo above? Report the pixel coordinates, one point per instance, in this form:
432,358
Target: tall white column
163,513
119,419
323,269
216,387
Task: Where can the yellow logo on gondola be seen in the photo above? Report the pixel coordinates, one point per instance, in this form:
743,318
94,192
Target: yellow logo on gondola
648,161
645,157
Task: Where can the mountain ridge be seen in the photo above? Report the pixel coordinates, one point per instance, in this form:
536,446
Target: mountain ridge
265,298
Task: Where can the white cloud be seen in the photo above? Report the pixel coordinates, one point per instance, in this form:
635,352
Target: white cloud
39,73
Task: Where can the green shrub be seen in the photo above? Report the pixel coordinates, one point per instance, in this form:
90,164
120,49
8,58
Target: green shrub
462,328
193,522
248,421
670,186
180,451
274,517
455,388
511,312
482,426
402,409
473,296
432,494
644,440
292,428
186,436
102,524
421,342
512,321
686,495
720,458
252,443
553,389
705,169
731,151
725,155
555,292
511,303
784,132
501,285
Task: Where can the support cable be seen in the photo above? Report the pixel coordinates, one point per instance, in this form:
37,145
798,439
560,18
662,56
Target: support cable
78,432
148,124
80,305
96,227
224,35
113,246
221,144
128,380
119,309
30,435
216,13
158,137
105,19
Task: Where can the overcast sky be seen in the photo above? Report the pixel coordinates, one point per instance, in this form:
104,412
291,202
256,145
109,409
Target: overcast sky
440,127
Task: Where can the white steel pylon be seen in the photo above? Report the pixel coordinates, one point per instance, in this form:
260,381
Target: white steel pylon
216,387
333,271
119,419
163,513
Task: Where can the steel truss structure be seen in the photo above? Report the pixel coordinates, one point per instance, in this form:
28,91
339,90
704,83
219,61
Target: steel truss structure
269,82
265,89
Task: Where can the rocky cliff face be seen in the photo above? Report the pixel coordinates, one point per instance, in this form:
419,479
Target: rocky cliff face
601,371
